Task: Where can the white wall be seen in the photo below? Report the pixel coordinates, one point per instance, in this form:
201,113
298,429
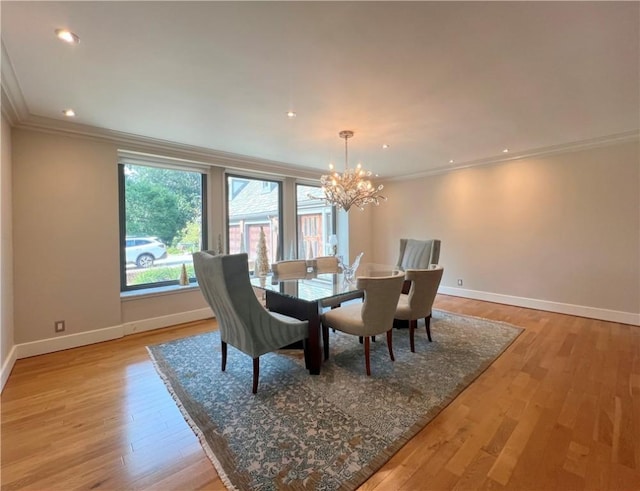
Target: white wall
562,231
360,234
65,232
7,355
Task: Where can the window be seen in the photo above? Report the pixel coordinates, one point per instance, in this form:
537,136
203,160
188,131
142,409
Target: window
315,223
253,206
162,222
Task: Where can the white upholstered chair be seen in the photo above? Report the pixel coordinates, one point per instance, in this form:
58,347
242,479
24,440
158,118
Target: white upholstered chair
291,268
326,264
417,304
242,320
372,317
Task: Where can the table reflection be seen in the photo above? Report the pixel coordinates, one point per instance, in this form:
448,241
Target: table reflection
315,286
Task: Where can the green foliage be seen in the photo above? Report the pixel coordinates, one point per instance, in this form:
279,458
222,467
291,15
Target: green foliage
189,237
161,202
156,274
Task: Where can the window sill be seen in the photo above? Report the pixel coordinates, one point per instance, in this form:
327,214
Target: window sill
157,292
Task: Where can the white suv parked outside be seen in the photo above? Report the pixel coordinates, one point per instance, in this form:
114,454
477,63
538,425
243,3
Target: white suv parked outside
143,251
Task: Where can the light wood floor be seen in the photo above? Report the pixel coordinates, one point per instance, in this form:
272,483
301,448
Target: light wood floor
560,409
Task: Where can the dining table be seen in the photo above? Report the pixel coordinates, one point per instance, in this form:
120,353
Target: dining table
304,297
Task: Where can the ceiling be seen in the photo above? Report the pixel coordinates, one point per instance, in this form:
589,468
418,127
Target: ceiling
436,81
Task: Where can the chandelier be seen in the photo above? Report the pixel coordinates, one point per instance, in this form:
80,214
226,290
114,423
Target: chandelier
352,187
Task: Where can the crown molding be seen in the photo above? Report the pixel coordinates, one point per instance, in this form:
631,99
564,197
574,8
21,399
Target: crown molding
14,106
154,146
7,109
602,141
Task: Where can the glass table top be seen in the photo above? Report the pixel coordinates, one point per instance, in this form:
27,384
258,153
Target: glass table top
320,286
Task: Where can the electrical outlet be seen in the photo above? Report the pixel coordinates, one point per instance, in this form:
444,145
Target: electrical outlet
58,326
460,282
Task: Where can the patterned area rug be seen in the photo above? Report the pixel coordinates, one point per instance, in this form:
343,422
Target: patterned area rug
330,431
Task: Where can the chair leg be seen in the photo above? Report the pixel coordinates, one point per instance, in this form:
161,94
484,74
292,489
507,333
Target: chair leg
390,343
367,361
412,330
223,347
256,373
427,325
325,341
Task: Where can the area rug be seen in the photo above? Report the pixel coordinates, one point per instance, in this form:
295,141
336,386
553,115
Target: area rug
330,431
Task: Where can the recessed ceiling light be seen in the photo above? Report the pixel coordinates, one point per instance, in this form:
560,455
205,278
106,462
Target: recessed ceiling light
291,114
67,36
70,113
506,150
451,161
385,145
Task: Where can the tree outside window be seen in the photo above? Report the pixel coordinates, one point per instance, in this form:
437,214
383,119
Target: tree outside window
162,223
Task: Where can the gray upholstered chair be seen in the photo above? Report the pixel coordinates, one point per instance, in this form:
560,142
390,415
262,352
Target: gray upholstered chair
242,320
417,304
291,267
418,254
373,316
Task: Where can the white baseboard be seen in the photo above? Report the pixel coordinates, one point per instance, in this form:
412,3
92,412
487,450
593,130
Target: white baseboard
59,343
532,303
166,321
7,366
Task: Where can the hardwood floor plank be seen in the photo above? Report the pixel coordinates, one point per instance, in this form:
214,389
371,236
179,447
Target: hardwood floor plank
476,471
560,409
468,451
508,458
577,459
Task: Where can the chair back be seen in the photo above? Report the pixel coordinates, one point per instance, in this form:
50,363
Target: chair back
242,320
326,264
381,294
418,254
290,268
424,287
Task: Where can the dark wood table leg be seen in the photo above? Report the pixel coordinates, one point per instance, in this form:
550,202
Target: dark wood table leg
303,310
315,352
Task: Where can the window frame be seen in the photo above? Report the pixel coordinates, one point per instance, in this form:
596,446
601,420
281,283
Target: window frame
251,177
122,162
333,214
